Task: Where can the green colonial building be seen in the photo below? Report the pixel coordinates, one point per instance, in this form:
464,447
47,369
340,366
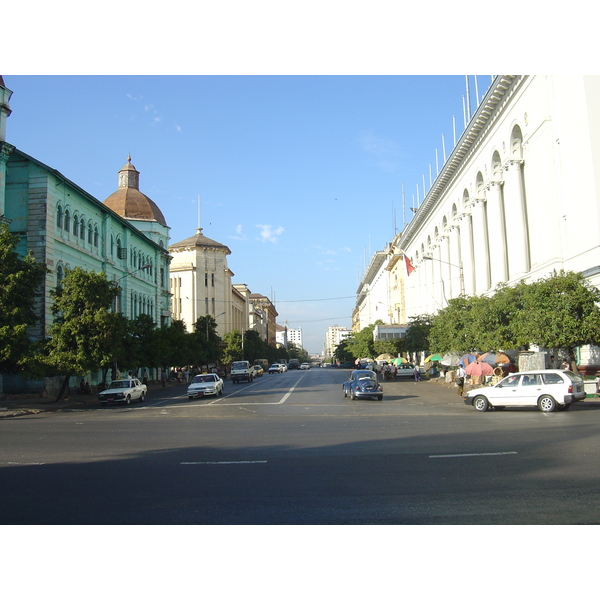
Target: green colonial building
125,236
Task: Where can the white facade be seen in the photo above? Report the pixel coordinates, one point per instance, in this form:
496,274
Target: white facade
294,336
333,338
201,283
518,197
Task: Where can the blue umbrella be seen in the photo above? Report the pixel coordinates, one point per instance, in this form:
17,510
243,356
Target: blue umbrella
466,359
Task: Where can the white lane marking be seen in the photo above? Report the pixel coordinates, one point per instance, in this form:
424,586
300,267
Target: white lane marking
474,454
285,397
226,462
23,463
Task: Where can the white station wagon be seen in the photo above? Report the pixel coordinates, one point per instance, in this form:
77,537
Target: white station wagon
549,390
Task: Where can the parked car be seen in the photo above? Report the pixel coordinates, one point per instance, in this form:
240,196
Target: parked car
362,384
123,391
549,390
305,366
257,371
207,384
275,368
405,370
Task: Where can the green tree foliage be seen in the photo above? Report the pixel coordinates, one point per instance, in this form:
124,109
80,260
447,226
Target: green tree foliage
343,351
85,335
559,311
20,280
174,344
417,336
204,342
233,346
363,345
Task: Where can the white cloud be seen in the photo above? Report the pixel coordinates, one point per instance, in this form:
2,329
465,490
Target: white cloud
268,234
240,235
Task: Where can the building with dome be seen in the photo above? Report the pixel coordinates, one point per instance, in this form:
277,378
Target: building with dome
65,227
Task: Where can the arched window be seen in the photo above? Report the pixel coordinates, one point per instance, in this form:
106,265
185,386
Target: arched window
112,245
96,236
82,229
90,233
75,225
59,216
67,220
516,143
60,274
118,248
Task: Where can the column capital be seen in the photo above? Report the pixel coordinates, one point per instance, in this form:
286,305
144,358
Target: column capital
6,150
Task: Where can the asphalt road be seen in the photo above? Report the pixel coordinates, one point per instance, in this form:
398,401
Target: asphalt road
290,449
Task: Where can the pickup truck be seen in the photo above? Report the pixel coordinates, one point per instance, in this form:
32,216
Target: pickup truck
123,390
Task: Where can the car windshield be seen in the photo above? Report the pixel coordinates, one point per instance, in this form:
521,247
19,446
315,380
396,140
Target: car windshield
203,379
119,384
365,375
239,365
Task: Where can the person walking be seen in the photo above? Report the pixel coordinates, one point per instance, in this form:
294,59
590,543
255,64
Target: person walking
460,379
417,373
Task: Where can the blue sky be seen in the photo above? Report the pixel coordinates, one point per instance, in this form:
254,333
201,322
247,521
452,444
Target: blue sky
299,175
296,124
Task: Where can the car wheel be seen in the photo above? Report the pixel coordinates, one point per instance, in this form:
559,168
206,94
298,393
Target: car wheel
128,400
142,397
481,403
380,397
345,392
352,396
547,404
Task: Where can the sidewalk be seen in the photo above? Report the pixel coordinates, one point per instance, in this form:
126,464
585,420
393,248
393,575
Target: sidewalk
16,405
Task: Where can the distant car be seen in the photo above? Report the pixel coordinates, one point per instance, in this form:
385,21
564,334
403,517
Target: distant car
407,370
257,371
123,391
284,367
549,390
362,384
347,365
207,384
275,368
241,371
305,366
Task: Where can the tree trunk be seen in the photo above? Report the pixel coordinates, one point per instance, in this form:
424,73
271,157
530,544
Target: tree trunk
64,387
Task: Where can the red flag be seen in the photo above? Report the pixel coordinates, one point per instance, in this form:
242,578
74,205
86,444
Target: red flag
409,267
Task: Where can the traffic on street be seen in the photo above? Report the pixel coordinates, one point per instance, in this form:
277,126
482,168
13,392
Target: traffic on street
293,448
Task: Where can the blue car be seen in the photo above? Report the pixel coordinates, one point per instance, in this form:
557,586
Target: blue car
362,384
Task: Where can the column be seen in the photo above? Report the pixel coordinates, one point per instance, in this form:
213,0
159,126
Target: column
497,234
516,221
481,247
466,252
455,287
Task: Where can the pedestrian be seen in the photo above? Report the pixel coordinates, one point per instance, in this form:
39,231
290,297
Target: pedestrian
163,378
417,373
460,379
145,377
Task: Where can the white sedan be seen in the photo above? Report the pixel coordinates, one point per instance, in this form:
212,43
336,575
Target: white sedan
123,390
207,384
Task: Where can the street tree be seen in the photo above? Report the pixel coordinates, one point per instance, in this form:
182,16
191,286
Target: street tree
233,346
20,281
417,335
563,312
85,335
